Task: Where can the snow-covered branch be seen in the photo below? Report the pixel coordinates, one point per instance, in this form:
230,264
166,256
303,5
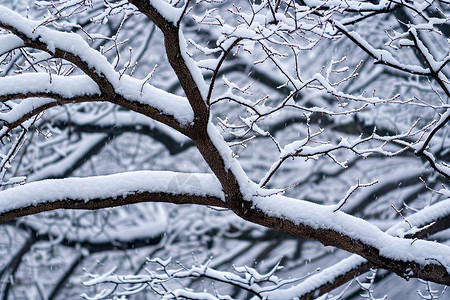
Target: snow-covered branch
251,280
286,67
403,256
123,90
109,191
428,221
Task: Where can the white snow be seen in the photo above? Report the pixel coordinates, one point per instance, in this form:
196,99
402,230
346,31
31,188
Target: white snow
126,86
418,219
110,186
192,66
165,9
23,108
65,86
246,186
320,217
9,42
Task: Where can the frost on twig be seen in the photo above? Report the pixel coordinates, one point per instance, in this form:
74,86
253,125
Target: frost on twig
162,280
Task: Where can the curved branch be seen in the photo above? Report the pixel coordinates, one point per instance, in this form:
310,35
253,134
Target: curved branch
29,108
110,191
120,89
218,67
352,234
405,257
9,43
437,215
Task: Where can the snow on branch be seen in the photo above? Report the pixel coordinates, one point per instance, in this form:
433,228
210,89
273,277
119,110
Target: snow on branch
43,91
246,278
348,268
405,257
262,286
411,257
271,29
108,191
73,48
9,43
33,85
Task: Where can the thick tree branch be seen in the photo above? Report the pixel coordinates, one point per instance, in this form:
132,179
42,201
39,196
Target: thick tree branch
432,219
145,98
233,189
109,191
297,219
173,42
261,211
405,257
202,129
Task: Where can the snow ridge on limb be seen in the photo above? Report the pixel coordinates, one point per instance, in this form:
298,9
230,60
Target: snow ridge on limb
427,221
20,86
312,287
108,191
297,217
124,90
9,43
406,257
43,91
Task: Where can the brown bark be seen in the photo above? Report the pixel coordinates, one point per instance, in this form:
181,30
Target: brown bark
99,203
